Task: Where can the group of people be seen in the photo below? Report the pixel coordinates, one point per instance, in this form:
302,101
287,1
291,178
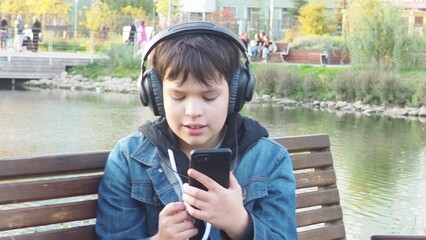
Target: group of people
260,47
23,35
137,36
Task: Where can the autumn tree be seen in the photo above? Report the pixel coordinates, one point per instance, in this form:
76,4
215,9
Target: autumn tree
46,10
379,38
97,16
162,7
224,16
146,5
313,20
134,12
297,4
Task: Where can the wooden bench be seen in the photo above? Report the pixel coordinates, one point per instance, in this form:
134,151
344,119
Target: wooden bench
54,197
281,53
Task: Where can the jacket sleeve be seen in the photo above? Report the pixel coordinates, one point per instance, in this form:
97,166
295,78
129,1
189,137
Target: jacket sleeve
274,214
118,215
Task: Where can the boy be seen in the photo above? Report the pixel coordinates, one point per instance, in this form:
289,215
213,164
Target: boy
197,85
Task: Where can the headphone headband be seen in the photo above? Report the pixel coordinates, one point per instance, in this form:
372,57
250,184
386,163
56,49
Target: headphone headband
193,27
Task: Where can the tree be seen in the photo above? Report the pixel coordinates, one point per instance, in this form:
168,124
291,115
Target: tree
162,8
97,16
313,20
38,7
379,38
297,4
146,5
338,14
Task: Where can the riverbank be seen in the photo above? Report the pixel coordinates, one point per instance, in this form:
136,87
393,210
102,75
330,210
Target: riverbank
127,85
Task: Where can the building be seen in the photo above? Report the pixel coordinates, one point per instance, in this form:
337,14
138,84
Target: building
245,16
414,14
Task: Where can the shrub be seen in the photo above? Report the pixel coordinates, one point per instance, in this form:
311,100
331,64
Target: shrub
289,84
365,90
266,79
344,86
391,91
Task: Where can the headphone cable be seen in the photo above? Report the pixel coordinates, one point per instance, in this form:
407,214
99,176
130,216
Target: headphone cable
175,172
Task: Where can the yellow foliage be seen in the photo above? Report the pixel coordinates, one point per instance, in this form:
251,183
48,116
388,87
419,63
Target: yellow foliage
14,6
37,7
134,12
313,20
162,7
97,16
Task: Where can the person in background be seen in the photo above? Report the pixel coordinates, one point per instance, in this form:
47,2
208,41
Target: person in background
197,85
254,47
141,37
36,29
19,35
244,38
132,33
265,48
4,32
27,43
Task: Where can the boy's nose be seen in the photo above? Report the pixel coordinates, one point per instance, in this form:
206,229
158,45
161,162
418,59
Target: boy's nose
193,108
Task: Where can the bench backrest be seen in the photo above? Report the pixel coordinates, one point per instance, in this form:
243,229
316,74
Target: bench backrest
54,197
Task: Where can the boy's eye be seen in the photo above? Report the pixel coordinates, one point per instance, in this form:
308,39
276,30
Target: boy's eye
210,97
177,96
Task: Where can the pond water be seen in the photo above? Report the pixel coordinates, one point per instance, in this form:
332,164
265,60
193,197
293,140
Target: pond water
380,162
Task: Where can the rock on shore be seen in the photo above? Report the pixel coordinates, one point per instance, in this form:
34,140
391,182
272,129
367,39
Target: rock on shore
127,85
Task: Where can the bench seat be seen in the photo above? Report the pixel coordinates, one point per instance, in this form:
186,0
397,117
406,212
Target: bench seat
54,196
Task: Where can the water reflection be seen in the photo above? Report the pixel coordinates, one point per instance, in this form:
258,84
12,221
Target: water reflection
380,162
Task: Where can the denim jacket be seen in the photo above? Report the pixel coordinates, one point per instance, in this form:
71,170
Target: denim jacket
138,183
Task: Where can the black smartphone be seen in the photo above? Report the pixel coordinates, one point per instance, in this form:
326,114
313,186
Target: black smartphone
213,162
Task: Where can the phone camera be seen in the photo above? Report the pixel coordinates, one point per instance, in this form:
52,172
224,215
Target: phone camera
201,159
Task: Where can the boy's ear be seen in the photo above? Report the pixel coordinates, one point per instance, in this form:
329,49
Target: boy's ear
151,91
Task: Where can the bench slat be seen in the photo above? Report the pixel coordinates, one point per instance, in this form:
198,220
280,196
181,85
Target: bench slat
316,187
48,189
315,179
320,215
398,237
317,142
44,215
76,233
52,164
312,160
330,232
324,197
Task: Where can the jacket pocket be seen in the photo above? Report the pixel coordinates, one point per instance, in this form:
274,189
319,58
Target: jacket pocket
144,191
254,189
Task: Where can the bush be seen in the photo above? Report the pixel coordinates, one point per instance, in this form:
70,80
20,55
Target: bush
266,80
289,84
319,43
391,91
344,86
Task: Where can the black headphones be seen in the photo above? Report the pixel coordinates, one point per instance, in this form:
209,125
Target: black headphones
150,85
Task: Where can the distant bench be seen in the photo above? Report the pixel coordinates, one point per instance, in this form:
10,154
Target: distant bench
281,53
54,197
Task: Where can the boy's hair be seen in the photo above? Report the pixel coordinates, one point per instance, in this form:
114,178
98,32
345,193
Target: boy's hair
206,57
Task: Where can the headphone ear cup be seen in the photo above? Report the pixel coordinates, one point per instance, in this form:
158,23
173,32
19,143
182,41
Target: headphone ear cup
151,92
241,88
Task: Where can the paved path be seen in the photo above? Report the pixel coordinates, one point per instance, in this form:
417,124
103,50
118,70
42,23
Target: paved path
42,64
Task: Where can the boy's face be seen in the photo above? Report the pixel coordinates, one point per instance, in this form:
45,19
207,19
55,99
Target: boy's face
196,113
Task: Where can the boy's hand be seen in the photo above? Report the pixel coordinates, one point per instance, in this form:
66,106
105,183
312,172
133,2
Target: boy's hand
221,207
175,223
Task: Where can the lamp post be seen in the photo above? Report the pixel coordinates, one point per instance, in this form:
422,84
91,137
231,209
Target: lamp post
271,23
169,15
75,18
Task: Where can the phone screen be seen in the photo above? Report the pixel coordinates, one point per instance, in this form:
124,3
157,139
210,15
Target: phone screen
213,162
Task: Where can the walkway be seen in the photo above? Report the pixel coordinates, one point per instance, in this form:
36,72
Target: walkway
42,64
